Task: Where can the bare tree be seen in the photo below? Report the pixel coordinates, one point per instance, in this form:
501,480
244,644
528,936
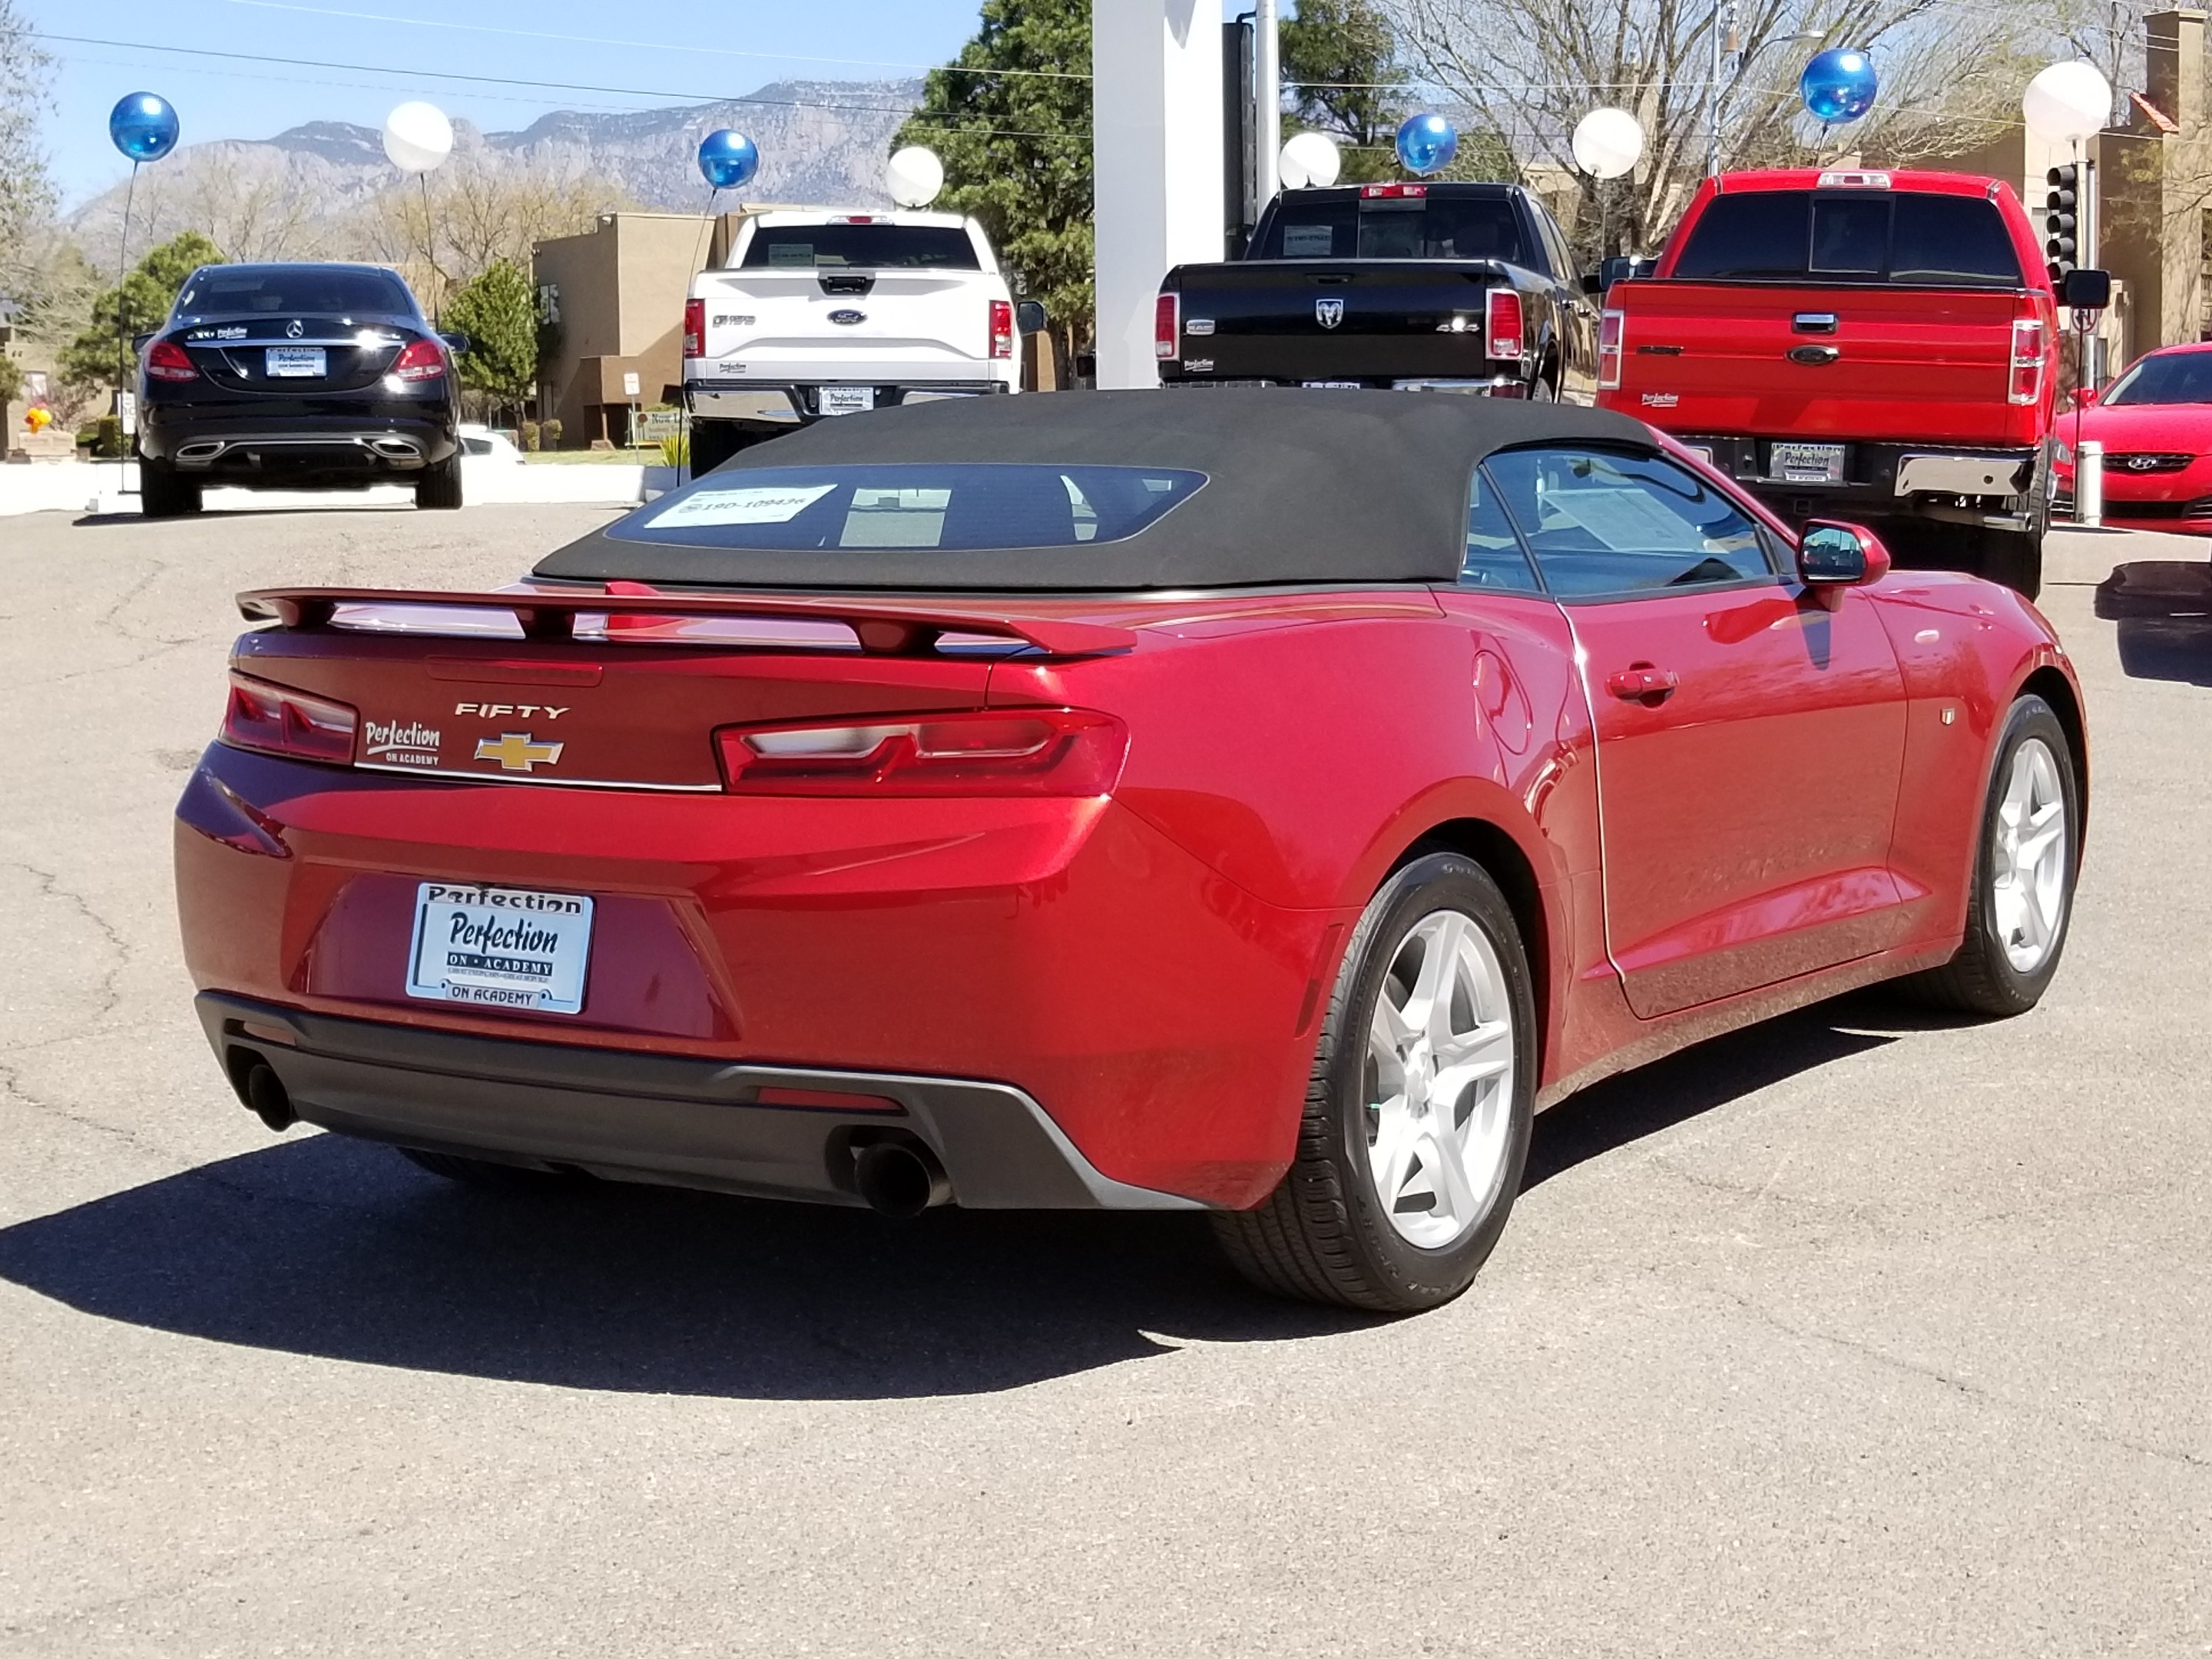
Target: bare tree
1529,70
27,196
477,210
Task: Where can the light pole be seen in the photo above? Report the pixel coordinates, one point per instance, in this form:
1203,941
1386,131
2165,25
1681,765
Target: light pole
1266,104
1713,83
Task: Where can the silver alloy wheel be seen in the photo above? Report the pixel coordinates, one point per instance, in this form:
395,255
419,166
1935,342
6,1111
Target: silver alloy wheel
2027,886
1439,1080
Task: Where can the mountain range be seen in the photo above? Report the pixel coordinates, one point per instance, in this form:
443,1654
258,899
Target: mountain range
819,142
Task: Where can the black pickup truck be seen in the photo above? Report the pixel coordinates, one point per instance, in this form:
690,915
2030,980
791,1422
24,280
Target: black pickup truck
1443,287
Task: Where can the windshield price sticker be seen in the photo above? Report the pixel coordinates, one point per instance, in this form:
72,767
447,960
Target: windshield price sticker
500,947
746,504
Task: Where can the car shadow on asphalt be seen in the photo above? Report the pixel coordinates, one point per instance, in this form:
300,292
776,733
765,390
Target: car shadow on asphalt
322,1246
2164,610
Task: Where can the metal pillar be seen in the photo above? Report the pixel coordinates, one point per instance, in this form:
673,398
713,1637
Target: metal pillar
1266,104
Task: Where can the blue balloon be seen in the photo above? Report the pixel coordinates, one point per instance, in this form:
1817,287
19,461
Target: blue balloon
1838,85
1426,143
144,126
727,159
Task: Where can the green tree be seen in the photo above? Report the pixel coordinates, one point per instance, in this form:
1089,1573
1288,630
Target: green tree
1010,119
102,352
1341,72
497,309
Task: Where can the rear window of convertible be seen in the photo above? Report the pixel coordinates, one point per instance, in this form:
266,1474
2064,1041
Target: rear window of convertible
953,506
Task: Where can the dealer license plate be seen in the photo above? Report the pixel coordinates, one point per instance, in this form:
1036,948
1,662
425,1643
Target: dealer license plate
846,399
295,362
1806,464
1331,385
501,947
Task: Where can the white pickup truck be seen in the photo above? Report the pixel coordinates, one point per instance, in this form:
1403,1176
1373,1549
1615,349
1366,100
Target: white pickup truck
818,314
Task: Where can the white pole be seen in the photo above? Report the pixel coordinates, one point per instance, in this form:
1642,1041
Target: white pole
1266,104
2090,484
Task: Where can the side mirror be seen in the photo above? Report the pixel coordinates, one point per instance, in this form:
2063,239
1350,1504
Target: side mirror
2085,397
456,342
1593,281
1029,316
1832,557
2086,290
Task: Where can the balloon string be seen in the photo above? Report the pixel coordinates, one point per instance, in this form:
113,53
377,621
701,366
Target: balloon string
430,257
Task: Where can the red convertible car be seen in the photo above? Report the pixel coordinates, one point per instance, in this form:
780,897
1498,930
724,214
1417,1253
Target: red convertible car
1261,802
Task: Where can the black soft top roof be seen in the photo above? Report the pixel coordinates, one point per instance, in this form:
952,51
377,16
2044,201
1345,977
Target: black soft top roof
1320,486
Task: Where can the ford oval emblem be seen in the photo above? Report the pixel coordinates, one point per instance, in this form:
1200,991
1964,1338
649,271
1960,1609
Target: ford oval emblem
848,318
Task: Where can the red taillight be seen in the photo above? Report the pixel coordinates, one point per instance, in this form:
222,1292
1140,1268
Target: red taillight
1377,192
1030,751
1002,328
278,720
694,328
1167,324
424,360
1612,330
165,361
2027,361
1501,325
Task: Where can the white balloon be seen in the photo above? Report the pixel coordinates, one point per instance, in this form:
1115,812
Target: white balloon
915,175
1309,158
2067,103
417,138
1607,142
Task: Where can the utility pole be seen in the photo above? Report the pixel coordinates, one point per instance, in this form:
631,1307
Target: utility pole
1713,86
1266,104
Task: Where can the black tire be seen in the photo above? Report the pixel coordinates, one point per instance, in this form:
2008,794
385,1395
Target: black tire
1325,1234
163,494
438,486
2014,559
481,1171
713,442
1982,978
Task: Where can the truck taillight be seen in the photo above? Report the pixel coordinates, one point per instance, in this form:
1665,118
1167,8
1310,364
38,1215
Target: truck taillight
985,751
167,360
1501,325
1612,330
694,328
1002,328
1392,193
278,720
2027,361
1167,323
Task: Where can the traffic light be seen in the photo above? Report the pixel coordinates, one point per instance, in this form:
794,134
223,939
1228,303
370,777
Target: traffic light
2061,219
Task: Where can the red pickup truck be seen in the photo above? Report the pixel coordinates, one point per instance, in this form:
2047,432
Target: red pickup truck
1876,346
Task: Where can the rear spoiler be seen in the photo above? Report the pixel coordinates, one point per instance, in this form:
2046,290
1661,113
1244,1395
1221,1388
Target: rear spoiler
883,628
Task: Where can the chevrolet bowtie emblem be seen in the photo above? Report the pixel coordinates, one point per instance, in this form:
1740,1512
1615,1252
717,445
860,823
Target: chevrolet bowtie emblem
514,751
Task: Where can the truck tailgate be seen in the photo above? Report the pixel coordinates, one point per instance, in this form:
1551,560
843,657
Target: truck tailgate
866,326
1320,319
1923,365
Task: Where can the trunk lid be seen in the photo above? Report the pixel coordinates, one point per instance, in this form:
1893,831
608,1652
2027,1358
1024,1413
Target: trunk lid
621,692
234,352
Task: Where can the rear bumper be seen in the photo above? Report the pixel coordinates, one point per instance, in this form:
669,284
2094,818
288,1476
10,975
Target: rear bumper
660,1118
1995,489
251,448
795,403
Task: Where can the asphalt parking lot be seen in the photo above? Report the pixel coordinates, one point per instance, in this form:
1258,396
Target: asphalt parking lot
1861,1333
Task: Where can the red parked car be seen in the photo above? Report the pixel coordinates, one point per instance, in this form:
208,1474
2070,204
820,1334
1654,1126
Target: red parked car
1260,803
1876,343
2155,422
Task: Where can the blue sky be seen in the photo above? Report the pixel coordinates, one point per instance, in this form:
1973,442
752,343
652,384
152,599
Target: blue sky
676,53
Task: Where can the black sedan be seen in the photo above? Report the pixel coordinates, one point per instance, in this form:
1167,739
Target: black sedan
296,377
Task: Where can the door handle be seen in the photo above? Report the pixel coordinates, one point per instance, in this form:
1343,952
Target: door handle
1642,683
